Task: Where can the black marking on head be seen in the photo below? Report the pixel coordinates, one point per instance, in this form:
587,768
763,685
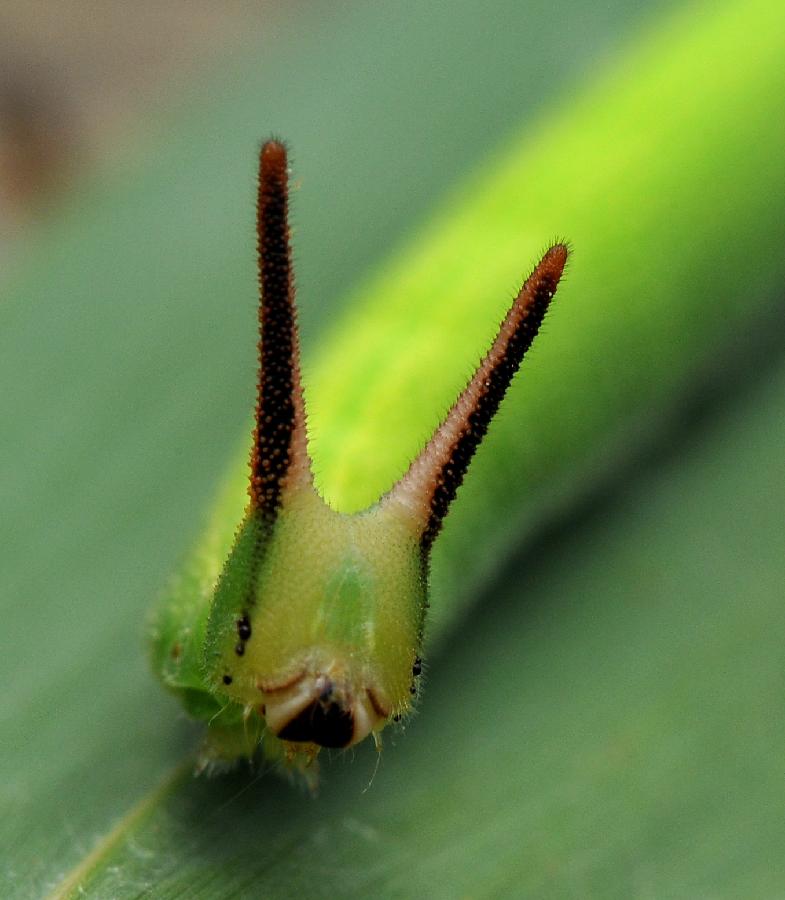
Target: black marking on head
239,649
275,407
227,679
244,627
325,724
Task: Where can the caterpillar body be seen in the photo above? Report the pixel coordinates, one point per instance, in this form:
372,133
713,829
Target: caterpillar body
311,636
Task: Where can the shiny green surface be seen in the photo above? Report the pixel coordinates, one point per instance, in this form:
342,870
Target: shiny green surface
608,723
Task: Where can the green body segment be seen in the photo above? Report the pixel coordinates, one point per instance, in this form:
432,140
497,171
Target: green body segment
179,625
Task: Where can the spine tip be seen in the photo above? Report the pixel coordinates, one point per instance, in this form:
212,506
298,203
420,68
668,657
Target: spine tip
273,155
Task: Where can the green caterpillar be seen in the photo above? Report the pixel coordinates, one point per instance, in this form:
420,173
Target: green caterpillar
312,636
670,177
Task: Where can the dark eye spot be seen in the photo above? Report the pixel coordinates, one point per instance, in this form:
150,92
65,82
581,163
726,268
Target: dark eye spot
227,679
417,667
240,649
244,627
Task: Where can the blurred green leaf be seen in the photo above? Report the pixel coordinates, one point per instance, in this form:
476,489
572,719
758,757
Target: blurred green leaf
609,721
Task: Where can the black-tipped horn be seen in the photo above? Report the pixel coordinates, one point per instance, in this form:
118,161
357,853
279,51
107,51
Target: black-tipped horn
279,447
430,484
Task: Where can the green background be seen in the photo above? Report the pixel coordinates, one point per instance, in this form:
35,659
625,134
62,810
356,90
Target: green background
608,722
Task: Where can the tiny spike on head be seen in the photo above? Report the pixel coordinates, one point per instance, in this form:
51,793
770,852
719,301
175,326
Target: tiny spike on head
279,456
430,484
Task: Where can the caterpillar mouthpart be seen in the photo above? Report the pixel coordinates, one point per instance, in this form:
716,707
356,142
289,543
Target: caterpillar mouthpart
317,709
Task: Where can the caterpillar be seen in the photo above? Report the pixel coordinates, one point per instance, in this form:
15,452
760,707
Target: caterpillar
311,635
677,215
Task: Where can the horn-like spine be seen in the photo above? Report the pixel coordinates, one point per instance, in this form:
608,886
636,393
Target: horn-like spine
280,454
433,478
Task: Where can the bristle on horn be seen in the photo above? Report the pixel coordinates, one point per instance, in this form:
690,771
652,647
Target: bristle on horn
279,456
432,480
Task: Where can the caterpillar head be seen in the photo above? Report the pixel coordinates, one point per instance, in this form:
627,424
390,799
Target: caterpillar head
317,620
